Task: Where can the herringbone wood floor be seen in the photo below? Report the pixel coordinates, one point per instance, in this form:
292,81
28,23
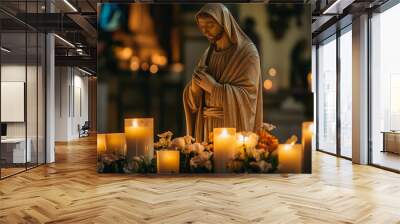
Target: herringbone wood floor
70,191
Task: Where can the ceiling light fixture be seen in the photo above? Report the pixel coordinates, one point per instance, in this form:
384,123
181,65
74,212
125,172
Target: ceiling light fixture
333,6
84,71
70,5
5,50
337,7
64,40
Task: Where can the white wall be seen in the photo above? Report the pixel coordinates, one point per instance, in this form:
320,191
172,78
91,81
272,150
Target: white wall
16,73
71,94
61,103
33,126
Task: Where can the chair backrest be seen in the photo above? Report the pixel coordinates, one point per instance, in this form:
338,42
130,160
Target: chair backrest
86,124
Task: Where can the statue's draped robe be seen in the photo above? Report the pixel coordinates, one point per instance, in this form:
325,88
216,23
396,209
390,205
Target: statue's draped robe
237,101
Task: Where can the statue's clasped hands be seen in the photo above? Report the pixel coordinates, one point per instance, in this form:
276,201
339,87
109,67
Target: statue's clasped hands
204,80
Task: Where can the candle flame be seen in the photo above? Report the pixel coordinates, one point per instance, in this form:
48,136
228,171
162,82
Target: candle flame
135,123
241,138
224,133
288,146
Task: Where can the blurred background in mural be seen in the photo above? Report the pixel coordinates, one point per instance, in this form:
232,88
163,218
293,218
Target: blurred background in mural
147,53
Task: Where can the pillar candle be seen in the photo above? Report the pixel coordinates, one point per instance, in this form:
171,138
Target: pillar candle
306,141
224,148
115,142
101,144
247,140
290,158
139,138
242,140
167,161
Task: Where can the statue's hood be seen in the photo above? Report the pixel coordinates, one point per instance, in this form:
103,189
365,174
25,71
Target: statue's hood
224,18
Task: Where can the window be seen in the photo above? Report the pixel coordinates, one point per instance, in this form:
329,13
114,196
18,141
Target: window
327,95
385,89
22,77
345,42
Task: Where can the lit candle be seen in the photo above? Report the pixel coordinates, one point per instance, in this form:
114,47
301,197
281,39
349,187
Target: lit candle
116,143
139,138
167,161
290,158
247,139
224,148
306,141
242,140
101,144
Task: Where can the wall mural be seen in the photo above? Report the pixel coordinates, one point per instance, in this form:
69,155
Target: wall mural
159,114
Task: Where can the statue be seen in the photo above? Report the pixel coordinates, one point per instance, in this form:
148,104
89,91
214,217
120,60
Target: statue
226,87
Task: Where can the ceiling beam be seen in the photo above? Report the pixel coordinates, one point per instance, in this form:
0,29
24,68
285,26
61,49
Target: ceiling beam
84,24
81,61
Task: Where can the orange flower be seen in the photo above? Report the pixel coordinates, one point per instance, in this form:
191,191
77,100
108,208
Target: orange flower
267,141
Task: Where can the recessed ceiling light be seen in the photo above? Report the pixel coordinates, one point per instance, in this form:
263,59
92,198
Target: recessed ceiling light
64,40
337,7
84,71
70,5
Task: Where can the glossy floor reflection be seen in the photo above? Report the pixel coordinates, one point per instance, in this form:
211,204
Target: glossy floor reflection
387,159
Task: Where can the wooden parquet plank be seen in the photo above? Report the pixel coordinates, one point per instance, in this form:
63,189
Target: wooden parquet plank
71,191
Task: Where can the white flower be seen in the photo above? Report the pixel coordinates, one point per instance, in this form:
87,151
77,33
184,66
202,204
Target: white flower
248,139
268,127
194,162
166,135
207,146
109,158
132,166
264,166
137,159
189,148
198,148
200,161
178,143
188,139
205,155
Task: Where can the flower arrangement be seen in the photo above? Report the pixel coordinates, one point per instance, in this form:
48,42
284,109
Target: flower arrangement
194,157
256,152
113,163
110,163
138,164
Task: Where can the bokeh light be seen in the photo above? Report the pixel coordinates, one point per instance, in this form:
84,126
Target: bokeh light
153,69
145,66
123,53
272,72
268,84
